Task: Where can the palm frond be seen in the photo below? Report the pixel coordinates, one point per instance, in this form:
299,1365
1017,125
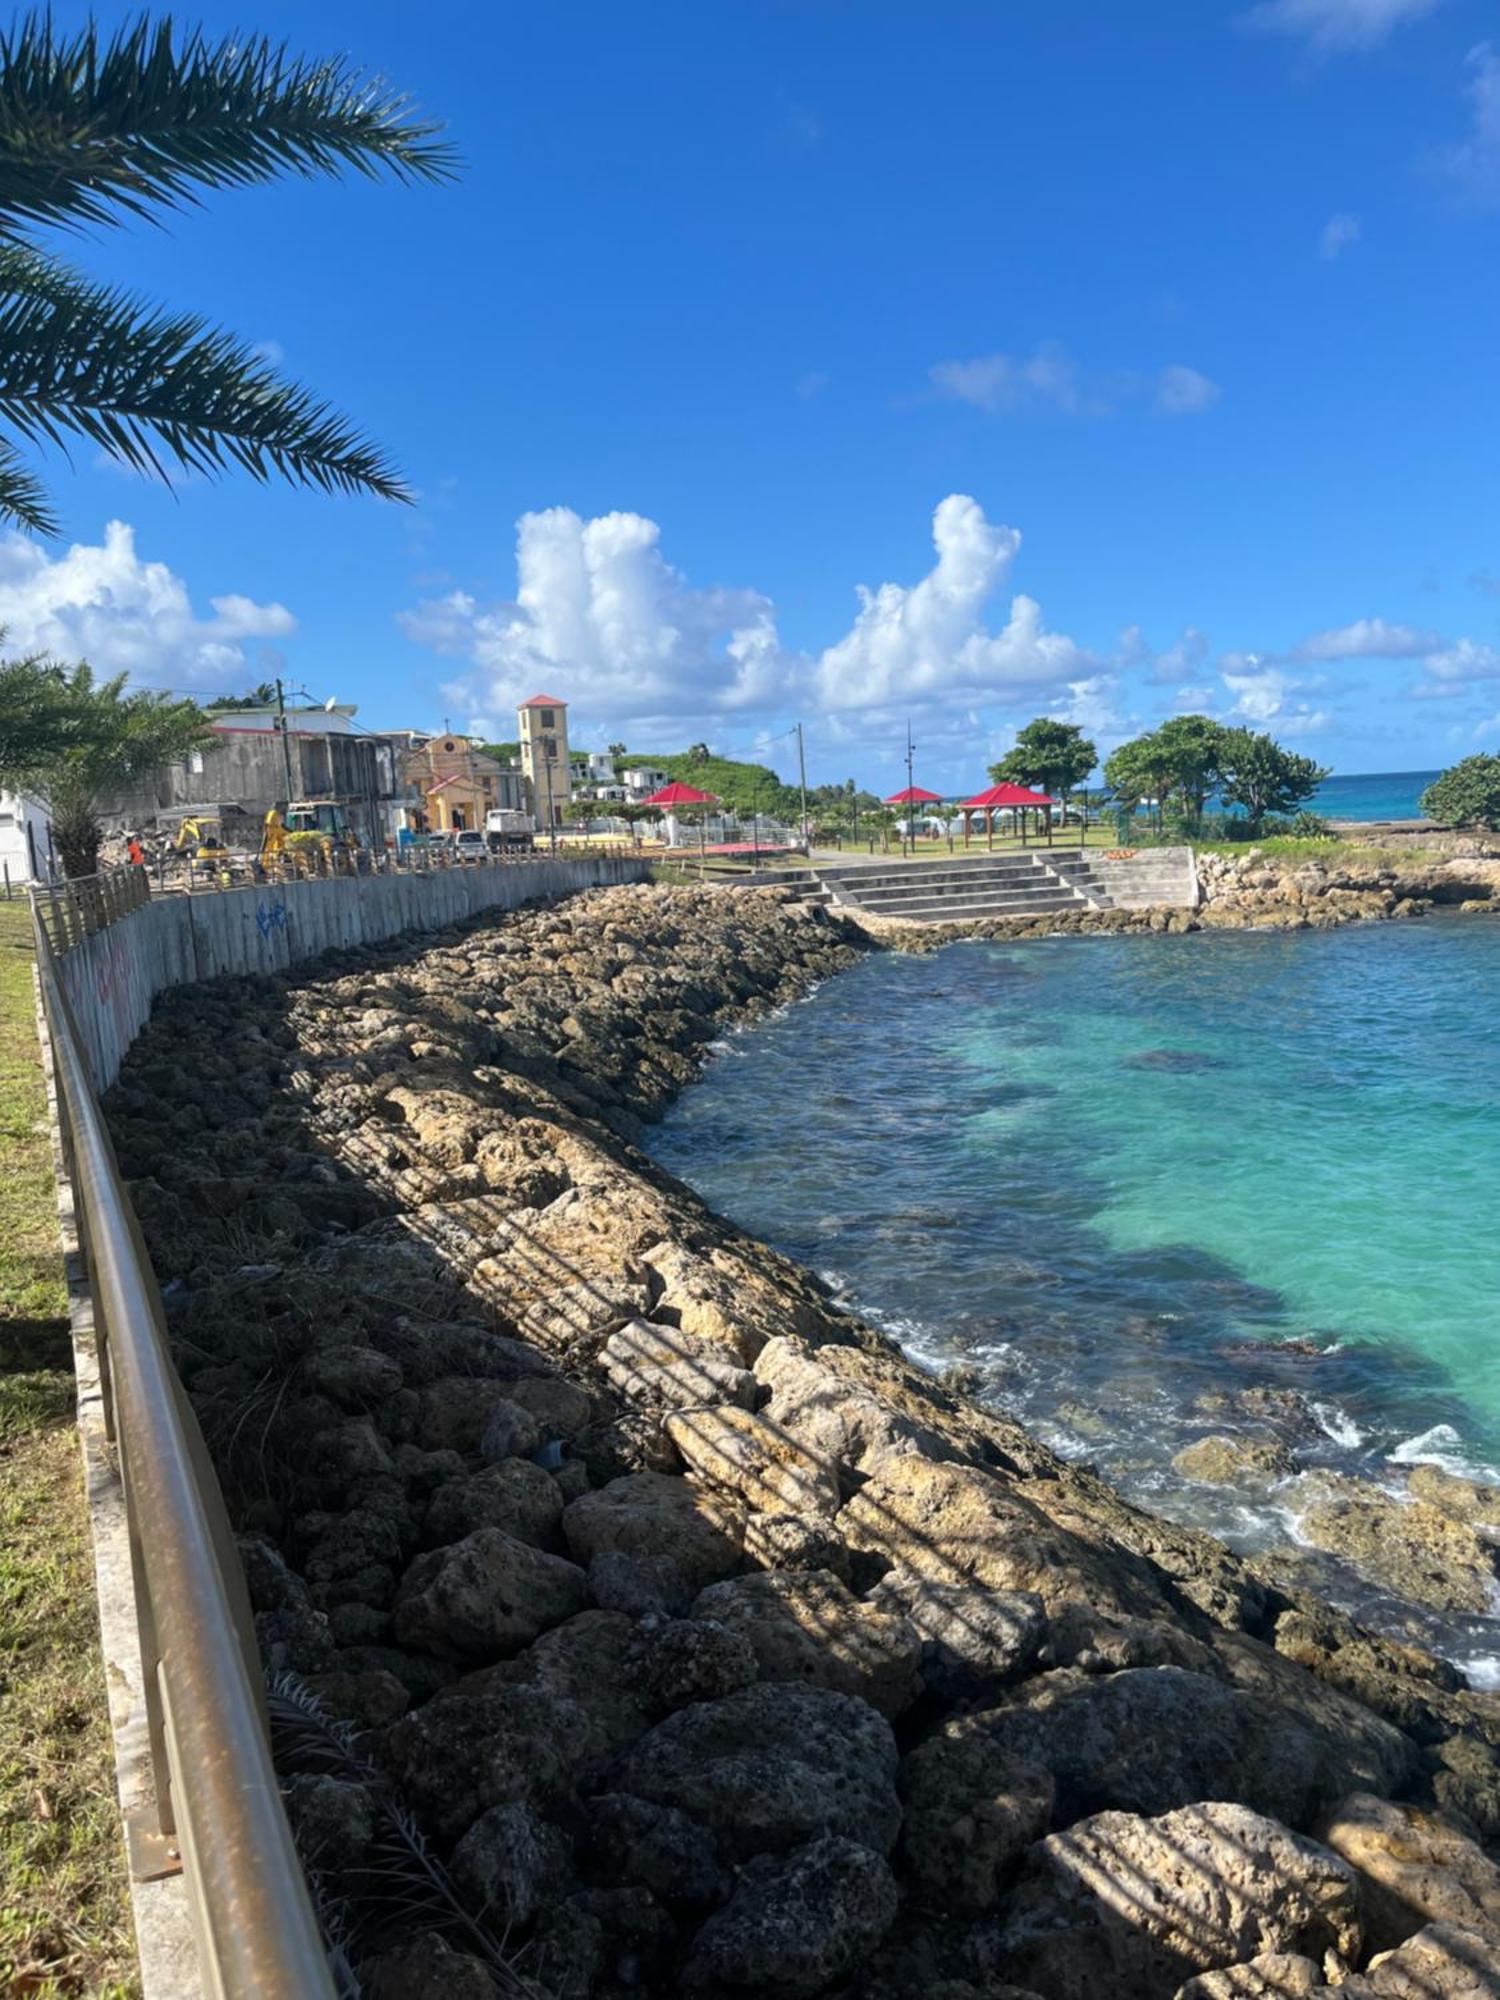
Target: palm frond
91,130
87,360
23,498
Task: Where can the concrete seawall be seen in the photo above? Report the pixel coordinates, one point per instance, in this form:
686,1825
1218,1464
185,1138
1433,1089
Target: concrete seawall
112,978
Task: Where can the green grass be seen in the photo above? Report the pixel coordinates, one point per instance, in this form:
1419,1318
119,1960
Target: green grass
1335,853
64,1908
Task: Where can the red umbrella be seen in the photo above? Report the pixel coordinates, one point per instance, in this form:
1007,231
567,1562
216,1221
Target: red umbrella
678,794
915,796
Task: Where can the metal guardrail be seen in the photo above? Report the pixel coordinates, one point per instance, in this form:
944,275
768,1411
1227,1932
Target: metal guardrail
218,1809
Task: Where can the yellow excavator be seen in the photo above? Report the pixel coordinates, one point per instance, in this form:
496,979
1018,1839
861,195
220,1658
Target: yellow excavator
310,831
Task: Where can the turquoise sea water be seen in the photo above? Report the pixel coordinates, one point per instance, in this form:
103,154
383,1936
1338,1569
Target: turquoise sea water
1132,1179
1373,795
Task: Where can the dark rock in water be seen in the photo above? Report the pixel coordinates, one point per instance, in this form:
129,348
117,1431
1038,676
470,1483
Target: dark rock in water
1174,1061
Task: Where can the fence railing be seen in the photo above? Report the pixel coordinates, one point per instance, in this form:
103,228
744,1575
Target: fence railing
217,1813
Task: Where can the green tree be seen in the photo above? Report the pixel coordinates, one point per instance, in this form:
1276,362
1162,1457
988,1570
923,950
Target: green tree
1467,794
100,132
1256,773
38,722
116,739
262,695
699,754
1049,756
1189,749
1137,772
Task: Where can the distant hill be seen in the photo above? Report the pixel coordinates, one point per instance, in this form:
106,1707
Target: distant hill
745,787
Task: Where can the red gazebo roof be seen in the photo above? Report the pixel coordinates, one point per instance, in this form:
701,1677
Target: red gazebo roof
678,794
915,796
1005,795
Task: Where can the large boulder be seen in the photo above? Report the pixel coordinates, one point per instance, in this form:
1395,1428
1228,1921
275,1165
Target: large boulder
971,1812
485,1597
772,1767
510,1863
959,1524
758,1461
1235,1461
793,1926
1443,1962
630,1840
1414,1867
514,1495
805,1625
1404,1543
1274,1975
1152,1738
654,1514
970,1636
663,1364
456,1757
1121,1906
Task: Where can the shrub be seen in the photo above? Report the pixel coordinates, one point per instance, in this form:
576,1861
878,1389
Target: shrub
1466,795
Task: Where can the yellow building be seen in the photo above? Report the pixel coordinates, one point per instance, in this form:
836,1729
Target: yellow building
459,784
543,723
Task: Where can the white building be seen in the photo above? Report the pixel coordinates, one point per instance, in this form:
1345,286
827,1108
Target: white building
25,839
641,780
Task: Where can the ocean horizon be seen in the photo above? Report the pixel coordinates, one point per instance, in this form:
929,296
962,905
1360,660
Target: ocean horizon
1373,795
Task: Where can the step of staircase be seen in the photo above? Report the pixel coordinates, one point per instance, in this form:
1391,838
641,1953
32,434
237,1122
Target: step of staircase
1042,904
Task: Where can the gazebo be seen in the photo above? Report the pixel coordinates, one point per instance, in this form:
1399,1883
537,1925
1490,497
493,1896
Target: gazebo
1007,798
677,794
914,795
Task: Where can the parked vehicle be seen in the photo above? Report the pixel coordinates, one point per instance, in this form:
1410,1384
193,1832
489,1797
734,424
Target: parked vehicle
467,843
508,832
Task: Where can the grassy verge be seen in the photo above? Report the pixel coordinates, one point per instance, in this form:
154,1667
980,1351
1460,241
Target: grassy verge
64,1907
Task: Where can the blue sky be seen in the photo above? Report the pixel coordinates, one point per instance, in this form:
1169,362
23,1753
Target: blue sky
1129,360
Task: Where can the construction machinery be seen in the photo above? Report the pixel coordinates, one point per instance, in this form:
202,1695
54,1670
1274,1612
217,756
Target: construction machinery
310,830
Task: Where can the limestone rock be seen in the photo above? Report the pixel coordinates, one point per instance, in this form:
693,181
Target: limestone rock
514,1495
559,1408
959,1524
456,1411
354,1376
969,1635
971,1811
1275,1975
804,1625
653,1514
1464,1499
794,1926
1235,1461
593,1663
1410,1546
697,1659
428,1969
457,1756
1414,1869
756,1460
641,1586
486,1596
1151,1739
772,1767
664,1364
1120,1905
333,1820
626,1839
511,1863
1443,1962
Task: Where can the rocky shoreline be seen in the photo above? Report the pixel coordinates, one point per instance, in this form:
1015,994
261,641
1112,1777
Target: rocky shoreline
646,1624
1253,891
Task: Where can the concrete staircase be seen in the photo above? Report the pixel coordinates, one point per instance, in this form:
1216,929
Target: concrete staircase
989,885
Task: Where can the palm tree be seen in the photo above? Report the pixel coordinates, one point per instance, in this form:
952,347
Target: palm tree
96,132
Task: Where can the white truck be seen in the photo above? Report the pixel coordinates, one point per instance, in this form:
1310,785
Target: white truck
508,832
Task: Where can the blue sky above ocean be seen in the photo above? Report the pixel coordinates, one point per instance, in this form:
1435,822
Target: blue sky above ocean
847,364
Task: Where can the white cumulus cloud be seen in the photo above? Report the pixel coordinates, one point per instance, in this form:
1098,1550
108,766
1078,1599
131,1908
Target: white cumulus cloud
1368,639
930,635
1329,25
1467,660
103,603
599,610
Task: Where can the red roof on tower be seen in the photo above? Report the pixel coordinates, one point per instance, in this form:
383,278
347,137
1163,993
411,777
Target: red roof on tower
543,701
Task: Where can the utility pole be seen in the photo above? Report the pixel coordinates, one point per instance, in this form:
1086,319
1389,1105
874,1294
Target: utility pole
911,824
286,748
802,787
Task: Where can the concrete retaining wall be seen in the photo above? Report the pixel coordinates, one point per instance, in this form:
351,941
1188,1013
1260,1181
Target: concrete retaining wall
1153,876
112,978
